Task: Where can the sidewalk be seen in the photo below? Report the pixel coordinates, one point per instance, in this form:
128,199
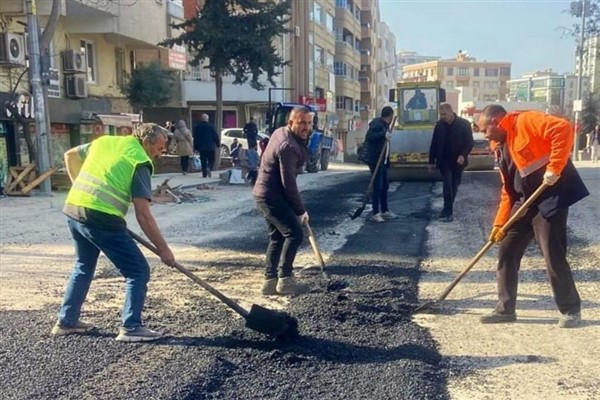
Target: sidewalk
192,179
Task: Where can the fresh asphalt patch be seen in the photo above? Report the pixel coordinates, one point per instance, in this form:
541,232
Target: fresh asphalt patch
357,340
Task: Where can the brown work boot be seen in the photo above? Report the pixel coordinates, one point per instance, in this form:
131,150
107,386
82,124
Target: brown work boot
497,318
269,287
290,286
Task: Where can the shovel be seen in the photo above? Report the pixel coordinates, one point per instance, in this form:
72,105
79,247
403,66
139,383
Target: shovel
315,247
518,214
272,323
360,209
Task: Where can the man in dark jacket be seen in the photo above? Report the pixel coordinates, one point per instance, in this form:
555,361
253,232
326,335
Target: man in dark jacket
278,200
451,144
377,137
534,148
206,142
251,133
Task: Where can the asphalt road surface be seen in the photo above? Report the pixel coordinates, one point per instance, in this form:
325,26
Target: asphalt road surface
358,340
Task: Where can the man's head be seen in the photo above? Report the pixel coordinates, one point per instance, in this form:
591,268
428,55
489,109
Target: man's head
204,117
153,139
300,122
387,113
489,123
446,113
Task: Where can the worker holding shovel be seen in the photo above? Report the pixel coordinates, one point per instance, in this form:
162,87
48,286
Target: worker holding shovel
107,175
535,150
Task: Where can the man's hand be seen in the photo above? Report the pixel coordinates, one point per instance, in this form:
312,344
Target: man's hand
388,136
497,234
431,168
167,257
460,160
550,178
303,219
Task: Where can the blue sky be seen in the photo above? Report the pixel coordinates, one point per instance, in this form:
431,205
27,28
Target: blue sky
525,33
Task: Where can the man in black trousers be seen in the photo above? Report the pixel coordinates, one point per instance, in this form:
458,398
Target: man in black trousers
450,147
206,142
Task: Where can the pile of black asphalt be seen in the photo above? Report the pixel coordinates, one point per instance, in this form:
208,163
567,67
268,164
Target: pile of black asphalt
357,339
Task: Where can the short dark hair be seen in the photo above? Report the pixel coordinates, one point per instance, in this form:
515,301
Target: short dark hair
387,111
492,110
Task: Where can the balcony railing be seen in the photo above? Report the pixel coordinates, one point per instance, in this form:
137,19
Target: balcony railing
198,73
175,10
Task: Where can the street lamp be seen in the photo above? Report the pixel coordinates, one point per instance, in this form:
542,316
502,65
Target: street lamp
579,9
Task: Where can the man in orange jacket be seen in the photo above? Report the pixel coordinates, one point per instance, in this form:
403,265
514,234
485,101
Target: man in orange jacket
534,148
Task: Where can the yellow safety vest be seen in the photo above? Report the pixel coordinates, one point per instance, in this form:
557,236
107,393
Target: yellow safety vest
104,182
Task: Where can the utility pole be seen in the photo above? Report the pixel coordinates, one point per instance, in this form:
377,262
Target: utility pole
35,77
579,7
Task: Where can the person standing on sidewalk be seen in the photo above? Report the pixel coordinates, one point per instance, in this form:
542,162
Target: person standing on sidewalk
534,148
185,145
451,144
107,175
593,143
206,142
278,200
377,137
251,133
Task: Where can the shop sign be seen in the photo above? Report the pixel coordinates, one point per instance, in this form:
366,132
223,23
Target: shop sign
178,58
54,83
24,105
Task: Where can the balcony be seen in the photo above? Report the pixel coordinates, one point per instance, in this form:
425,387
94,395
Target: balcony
347,52
91,8
345,86
365,31
175,10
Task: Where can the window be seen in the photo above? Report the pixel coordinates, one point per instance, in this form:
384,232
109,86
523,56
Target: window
318,12
88,51
339,102
491,72
505,71
330,62
476,71
463,71
329,23
356,105
339,68
450,71
319,56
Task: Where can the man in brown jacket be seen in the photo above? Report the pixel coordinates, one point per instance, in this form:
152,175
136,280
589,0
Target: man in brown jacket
278,200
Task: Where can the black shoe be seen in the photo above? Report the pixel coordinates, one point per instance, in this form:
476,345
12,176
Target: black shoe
497,318
448,218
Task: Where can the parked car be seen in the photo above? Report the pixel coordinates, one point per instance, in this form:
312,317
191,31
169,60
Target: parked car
227,136
481,157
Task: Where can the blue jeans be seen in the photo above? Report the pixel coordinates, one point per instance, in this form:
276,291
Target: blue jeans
122,251
380,189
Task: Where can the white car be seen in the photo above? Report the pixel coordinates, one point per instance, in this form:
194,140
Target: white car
227,136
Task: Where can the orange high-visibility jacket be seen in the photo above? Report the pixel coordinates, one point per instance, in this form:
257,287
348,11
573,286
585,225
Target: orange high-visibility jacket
534,140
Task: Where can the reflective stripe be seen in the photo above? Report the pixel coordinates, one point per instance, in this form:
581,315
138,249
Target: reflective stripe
107,188
105,197
534,166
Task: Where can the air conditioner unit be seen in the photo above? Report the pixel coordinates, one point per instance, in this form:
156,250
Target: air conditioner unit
73,62
76,86
12,48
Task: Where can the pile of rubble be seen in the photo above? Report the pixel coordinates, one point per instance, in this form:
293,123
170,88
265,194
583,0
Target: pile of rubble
167,194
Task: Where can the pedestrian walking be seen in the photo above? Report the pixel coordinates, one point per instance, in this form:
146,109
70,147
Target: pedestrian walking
451,144
376,138
107,175
593,143
534,148
251,132
278,200
206,142
185,145
252,161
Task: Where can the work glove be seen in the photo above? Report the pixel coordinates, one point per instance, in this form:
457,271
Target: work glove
388,136
497,234
303,219
550,178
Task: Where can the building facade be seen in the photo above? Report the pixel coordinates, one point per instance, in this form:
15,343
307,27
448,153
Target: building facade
406,57
591,64
487,78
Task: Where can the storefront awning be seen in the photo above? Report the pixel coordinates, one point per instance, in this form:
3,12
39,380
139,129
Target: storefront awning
115,120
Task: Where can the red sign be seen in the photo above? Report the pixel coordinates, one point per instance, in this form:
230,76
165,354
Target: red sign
319,103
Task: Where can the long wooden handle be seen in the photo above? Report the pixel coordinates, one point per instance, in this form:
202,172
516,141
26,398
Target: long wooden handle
315,246
520,211
379,161
232,304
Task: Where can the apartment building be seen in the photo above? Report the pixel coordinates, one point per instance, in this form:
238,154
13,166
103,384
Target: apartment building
386,73
96,46
487,78
591,63
557,91
369,45
408,57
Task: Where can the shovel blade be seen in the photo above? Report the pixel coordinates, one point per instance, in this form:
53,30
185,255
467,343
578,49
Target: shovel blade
277,324
357,213
425,307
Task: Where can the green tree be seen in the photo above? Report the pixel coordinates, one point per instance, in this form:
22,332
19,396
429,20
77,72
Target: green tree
149,86
236,38
590,113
